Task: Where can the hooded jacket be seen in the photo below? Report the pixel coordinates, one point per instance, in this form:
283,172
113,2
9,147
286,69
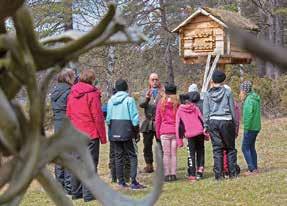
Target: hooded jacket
191,118
218,104
165,119
252,112
59,100
84,111
122,116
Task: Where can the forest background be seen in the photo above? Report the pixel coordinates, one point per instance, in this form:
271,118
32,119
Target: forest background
156,19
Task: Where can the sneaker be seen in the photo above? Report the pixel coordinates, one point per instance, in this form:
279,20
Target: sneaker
167,178
256,171
89,199
249,173
226,175
199,175
114,180
123,185
148,168
173,178
137,186
219,178
76,197
192,179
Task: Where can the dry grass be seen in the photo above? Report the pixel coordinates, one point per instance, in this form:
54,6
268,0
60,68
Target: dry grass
268,188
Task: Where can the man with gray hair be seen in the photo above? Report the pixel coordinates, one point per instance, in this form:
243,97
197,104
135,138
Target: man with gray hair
149,99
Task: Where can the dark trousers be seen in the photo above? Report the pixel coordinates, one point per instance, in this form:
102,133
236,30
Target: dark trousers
112,164
195,154
122,147
148,142
79,190
223,137
64,178
248,149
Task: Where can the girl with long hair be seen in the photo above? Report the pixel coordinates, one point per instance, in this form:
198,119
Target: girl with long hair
165,130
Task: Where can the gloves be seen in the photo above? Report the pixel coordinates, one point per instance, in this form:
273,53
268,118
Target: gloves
206,135
137,133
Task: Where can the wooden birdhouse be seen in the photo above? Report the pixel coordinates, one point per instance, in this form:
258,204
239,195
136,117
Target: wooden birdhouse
204,33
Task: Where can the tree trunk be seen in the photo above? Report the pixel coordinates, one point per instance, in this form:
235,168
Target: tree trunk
168,54
68,15
275,35
279,36
239,4
110,69
170,72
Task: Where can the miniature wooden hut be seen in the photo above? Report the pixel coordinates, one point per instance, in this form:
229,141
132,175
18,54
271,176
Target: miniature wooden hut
204,33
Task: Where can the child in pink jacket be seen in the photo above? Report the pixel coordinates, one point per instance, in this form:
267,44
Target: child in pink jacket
189,124
165,130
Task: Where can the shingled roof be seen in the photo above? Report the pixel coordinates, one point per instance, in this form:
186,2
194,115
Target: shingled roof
223,17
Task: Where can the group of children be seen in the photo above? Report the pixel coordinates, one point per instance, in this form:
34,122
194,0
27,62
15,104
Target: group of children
216,118
170,118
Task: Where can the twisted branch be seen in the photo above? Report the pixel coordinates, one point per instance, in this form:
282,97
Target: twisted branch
21,55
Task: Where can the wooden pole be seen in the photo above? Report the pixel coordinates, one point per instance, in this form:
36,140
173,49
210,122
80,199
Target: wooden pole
221,67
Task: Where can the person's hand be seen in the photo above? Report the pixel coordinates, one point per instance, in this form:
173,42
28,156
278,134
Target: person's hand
148,94
206,135
138,137
179,143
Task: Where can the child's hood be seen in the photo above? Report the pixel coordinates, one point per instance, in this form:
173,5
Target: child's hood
189,108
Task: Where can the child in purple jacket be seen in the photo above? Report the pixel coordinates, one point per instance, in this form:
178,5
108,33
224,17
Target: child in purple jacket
189,124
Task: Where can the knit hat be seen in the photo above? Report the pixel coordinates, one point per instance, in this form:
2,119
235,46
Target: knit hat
193,88
218,77
121,85
170,89
246,86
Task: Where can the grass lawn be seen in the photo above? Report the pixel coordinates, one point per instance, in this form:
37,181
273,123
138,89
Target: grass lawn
268,188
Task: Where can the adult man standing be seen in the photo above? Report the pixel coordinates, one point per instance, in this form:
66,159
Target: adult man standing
148,102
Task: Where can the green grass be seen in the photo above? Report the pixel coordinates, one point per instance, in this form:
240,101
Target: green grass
268,188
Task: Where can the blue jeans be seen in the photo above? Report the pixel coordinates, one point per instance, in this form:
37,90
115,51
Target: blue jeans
248,149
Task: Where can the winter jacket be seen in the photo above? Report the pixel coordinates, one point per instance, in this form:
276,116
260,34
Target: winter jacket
122,117
218,104
252,112
149,106
165,119
84,111
191,118
59,100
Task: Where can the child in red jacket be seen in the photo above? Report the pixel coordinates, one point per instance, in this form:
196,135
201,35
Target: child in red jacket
189,124
165,130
